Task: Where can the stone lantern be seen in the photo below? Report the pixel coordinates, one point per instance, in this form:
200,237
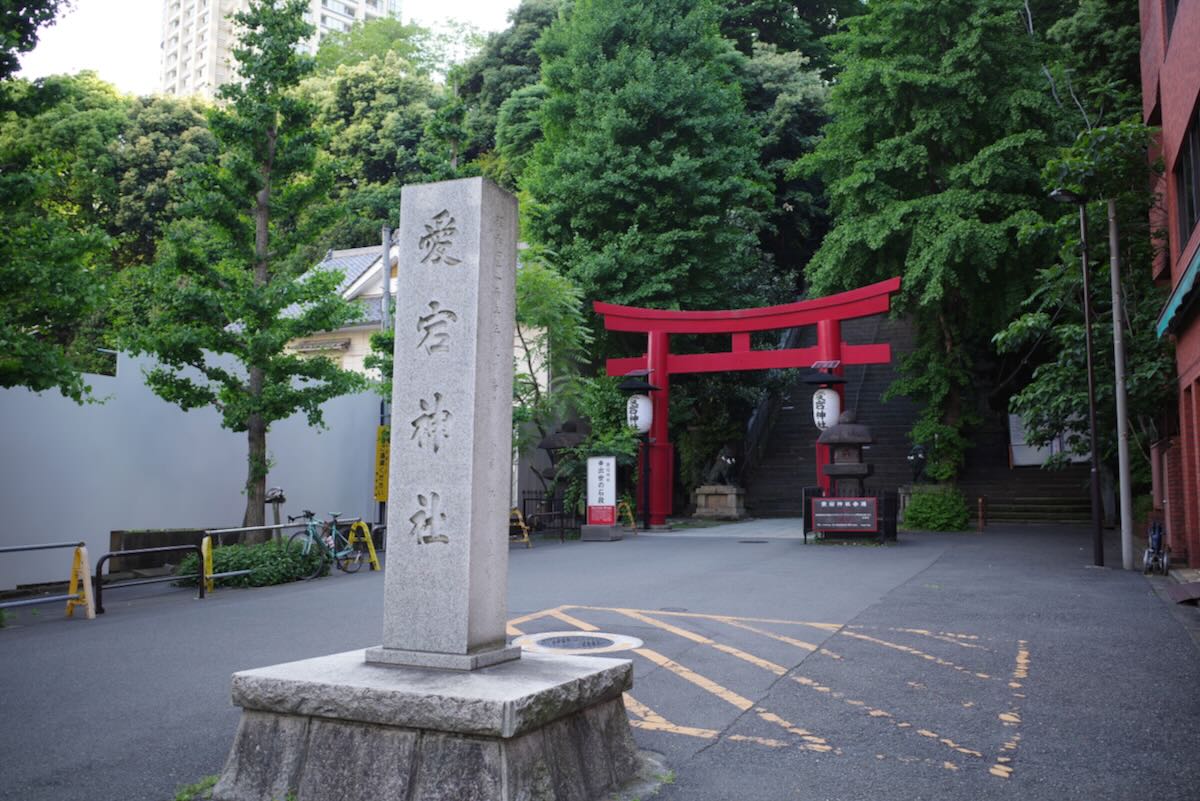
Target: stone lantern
846,440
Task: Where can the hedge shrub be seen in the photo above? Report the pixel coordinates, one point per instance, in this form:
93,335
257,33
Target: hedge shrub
272,562
936,508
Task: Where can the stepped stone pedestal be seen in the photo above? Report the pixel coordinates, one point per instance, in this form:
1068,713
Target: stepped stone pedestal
444,709
720,502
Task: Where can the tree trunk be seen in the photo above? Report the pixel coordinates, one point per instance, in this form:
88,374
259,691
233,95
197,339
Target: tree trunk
256,473
256,426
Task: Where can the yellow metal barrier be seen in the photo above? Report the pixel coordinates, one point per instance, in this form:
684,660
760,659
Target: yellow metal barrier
518,531
624,506
81,585
206,566
359,531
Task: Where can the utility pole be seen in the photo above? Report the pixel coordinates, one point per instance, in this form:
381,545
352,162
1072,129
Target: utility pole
1114,260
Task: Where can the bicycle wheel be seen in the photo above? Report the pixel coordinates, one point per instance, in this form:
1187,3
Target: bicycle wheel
350,557
311,549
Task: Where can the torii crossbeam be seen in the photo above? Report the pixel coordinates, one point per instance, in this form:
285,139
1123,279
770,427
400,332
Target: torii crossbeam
825,313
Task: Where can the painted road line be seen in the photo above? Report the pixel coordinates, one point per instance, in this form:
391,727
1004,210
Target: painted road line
652,721
516,621
663,613
884,715
808,646
765,664
961,640
1002,768
724,693
937,660
706,684
558,614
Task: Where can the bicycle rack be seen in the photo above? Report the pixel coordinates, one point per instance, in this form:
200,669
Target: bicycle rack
139,582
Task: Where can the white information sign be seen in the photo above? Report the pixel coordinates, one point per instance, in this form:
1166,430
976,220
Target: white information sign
602,490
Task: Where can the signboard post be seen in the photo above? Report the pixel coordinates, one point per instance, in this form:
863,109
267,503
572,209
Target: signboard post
601,523
846,515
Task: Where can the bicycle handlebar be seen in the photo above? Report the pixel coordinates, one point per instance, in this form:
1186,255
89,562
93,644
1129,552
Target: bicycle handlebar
306,514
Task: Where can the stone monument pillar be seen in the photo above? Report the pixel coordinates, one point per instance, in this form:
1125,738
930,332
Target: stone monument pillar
443,708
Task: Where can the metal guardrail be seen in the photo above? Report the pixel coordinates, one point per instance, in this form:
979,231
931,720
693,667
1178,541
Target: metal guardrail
99,586
79,592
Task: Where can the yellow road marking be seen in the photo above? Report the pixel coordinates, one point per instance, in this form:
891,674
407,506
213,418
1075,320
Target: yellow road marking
945,636
662,613
1012,718
652,721
512,631
572,621
808,646
884,715
765,664
516,621
708,685
937,660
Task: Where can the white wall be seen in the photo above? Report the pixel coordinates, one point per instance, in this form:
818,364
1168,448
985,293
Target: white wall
76,473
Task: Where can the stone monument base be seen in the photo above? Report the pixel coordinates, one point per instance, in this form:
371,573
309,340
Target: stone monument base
541,728
720,502
591,533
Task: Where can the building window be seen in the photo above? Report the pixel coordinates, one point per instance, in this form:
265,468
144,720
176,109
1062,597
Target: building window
1187,180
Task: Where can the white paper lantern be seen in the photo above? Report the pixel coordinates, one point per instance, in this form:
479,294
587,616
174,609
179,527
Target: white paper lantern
827,407
639,413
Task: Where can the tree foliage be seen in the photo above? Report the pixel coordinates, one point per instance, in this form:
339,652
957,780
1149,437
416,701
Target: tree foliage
19,25
940,127
56,192
1048,334
377,39
229,289
646,184
798,26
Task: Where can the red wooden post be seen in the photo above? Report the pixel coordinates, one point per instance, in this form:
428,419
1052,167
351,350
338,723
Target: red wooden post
662,467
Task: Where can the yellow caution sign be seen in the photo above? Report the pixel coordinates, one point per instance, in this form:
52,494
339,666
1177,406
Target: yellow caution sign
206,565
383,451
359,531
81,585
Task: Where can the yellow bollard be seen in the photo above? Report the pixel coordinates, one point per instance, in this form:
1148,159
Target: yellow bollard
624,506
206,566
360,531
81,585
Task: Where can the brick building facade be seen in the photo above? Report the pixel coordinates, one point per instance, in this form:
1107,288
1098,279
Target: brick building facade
1170,61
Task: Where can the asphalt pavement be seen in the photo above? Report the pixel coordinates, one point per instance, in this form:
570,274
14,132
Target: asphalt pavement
947,666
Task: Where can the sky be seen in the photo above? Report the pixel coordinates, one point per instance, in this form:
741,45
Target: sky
119,39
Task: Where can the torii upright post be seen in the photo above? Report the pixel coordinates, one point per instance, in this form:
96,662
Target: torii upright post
825,313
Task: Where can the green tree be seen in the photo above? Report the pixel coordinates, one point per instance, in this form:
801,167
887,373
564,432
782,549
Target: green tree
56,193
373,115
552,339
231,286
786,99
508,62
788,25
376,39
1048,335
161,139
646,184
941,122
19,24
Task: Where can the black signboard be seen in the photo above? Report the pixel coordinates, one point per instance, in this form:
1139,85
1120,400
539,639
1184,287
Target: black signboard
845,514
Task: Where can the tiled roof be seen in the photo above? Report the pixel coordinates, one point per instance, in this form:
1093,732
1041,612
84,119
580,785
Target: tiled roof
353,262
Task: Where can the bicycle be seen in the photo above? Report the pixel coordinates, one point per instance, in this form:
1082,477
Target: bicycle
328,542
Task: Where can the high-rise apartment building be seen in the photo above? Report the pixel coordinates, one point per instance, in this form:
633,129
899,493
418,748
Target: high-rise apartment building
197,37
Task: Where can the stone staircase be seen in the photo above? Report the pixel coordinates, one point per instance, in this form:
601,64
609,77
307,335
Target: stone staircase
1021,494
773,487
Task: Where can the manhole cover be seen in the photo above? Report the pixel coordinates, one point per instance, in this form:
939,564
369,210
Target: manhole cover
576,642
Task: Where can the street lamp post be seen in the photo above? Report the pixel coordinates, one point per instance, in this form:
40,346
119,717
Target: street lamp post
1114,261
1066,196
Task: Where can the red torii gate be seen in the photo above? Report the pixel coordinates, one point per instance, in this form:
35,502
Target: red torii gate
826,313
